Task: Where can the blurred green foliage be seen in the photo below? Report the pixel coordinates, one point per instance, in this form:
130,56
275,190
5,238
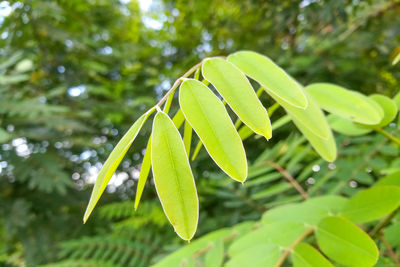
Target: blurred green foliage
75,74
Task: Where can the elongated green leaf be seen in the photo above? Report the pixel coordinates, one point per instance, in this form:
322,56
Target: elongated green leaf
215,256
325,147
270,76
396,56
237,91
144,173
178,119
345,126
345,103
279,233
305,255
345,243
209,119
389,108
187,137
113,161
173,177
372,203
262,255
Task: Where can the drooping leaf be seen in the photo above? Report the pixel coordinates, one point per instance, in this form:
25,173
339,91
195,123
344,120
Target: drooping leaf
345,243
372,203
237,91
345,103
209,119
144,173
113,161
173,177
304,255
262,255
346,127
279,233
187,137
215,256
325,147
274,79
389,108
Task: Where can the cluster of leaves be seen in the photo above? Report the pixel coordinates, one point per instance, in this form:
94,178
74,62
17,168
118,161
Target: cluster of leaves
203,112
286,231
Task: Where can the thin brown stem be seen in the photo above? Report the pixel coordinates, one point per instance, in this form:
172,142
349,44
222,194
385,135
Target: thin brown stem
390,250
382,223
290,178
178,82
292,246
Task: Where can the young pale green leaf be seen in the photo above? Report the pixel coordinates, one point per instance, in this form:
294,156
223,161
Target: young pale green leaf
262,255
237,91
144,173
173,177
345,103
210,120
187,137
326,148
391,179
372,203
273,78
396,56
279,233
304,255
113,161
345,243
389,108
346,127
215,256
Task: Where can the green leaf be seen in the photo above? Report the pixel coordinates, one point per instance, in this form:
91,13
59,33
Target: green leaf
391,179
372,203
215,256
304,255
113,161
144,173
273,78
345,103
345,126
389,108
176,257
262,255
396,99
187,137
325,147
279,233
237,91
173,177
345,243
209,119
310,212
396,56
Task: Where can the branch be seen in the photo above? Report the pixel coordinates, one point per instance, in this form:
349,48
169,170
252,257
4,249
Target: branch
383,223
178,82
388,135
390,250
290,178
293,245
